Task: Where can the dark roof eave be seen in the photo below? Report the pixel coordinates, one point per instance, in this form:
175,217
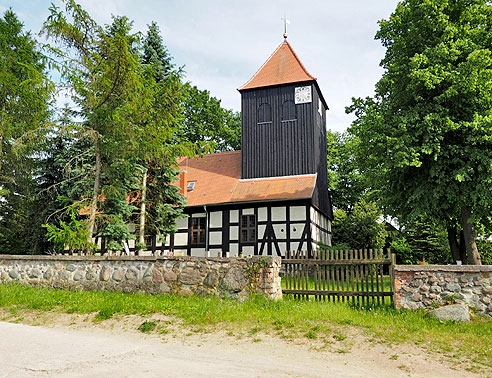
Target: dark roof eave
245,202
290,83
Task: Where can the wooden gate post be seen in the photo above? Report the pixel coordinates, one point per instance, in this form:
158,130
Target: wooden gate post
392,256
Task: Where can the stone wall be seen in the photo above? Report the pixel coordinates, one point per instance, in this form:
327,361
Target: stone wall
424,286
227,277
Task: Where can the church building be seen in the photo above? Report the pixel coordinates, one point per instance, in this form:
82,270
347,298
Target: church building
273,195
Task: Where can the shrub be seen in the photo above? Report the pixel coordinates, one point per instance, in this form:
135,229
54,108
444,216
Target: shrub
485,248
362,228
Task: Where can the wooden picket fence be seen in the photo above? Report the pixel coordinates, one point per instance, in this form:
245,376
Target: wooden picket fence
353,276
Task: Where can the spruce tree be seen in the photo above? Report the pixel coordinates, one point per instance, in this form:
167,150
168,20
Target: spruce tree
156,54
160,201
25,96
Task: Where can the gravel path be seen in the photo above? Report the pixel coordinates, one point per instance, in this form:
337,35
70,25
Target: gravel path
38,351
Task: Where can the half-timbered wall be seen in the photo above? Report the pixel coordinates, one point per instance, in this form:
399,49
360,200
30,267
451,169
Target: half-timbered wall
320,229
321,196
279,227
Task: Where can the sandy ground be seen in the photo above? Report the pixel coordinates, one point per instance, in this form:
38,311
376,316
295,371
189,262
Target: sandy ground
62,345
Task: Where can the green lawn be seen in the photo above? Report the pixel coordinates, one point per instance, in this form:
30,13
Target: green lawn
348,286
355,286
288,318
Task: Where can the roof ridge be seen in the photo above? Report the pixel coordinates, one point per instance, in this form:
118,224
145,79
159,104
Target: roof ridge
210,155
217,153
263,65
299,60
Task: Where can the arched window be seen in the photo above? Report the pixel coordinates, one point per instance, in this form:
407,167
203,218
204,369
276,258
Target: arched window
264,113
288,111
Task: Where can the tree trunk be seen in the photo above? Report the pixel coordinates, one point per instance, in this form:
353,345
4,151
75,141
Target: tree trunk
462,247
141,237
469,234
453,243
95,194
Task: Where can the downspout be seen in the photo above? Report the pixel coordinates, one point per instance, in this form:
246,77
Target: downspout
206,228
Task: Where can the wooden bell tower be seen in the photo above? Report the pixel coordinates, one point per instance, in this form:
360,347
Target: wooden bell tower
283,130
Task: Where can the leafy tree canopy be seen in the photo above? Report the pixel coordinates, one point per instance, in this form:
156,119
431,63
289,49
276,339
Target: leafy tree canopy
134,115
204,120
426,136
129,110
418,241
346,182
25,91
362,228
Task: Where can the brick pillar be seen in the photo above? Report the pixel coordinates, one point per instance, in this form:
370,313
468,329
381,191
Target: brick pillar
268,281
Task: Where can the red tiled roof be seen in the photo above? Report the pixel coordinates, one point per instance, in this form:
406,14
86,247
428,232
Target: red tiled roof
275,188
217,180
282,67
215,177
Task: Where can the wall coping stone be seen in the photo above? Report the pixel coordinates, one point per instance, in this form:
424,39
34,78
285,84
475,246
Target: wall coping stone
444,268
269,259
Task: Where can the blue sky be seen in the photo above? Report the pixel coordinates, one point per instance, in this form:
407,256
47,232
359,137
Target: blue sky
221,43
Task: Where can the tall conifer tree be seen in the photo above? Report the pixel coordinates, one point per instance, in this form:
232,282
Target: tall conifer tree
25,96
127,114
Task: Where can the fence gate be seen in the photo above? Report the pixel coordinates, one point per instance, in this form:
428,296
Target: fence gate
354,276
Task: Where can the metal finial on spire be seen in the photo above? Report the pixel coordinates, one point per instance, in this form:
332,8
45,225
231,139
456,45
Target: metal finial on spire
286,22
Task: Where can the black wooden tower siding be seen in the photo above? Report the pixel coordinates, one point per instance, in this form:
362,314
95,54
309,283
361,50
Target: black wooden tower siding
285,147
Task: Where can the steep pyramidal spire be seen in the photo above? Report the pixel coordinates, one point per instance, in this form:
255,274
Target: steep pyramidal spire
282,67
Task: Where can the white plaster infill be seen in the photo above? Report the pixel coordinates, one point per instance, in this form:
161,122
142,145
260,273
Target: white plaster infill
274,259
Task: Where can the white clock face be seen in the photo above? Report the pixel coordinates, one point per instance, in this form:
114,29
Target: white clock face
303,95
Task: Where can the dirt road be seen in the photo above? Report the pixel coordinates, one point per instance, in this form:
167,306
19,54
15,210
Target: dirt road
38,351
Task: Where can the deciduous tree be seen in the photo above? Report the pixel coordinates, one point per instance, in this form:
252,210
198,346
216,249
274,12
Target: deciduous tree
204,120
347,184
362,228
426,136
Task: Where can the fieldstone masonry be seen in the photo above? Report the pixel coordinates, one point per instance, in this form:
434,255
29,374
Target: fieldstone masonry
227,277
424,286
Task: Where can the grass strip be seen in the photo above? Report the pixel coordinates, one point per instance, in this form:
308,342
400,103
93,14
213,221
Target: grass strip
287,318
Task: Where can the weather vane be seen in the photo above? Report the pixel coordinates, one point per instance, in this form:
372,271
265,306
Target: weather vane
286,22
